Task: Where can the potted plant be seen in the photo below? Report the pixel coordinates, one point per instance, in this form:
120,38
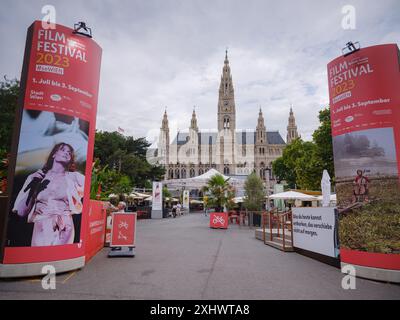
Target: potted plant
254,197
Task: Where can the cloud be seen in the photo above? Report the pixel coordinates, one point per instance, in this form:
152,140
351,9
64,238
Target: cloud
170,53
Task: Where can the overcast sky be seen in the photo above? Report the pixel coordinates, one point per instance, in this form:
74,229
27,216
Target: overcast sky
170,53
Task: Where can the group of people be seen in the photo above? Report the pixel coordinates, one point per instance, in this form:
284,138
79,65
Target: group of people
176,210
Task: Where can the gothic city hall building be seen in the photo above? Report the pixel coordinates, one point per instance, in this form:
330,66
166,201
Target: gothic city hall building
229,150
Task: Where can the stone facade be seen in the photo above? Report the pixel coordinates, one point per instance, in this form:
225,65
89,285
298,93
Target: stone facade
230,151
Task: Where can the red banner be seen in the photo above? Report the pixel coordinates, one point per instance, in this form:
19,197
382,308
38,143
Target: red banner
49,203
219,220
96,229
123,233
364,89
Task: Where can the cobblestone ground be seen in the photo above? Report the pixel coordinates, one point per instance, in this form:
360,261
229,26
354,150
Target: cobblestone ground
183,258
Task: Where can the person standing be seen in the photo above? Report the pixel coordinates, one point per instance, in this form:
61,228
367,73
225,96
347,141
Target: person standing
360,187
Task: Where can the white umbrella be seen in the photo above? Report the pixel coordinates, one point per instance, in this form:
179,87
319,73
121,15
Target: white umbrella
293,195
196,201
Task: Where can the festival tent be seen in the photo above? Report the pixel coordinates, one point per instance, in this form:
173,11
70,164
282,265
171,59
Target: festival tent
200,181
293,195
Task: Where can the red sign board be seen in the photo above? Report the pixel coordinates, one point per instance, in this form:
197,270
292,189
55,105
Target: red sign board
51,162
219,220
95,229
123,232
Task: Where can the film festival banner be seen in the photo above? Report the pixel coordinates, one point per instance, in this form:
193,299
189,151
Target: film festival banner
53,147
364,89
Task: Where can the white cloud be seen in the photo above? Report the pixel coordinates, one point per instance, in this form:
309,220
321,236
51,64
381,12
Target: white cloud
170,53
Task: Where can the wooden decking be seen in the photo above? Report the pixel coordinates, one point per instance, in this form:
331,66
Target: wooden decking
277,241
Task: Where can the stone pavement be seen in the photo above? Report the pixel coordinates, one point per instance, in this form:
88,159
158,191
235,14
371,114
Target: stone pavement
183,258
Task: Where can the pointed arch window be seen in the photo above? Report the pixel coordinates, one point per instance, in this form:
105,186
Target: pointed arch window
226,123
226,170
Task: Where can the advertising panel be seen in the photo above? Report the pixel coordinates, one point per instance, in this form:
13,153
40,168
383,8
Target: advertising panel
95,229
123,232
50,169
314,229
364,90
185,202
157,196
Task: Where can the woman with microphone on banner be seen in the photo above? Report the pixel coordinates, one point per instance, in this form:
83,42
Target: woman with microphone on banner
51,196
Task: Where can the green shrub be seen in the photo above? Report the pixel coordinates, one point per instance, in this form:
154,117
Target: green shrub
373,228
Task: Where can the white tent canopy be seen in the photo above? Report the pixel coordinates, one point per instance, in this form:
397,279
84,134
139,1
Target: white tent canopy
293,195
200,181
332,197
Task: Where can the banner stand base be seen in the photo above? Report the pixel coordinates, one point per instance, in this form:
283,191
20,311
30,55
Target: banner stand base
378,274
35,269
123,252
156,214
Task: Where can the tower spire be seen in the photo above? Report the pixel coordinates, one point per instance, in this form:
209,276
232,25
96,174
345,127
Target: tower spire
193,122
226,101
164,125
292,133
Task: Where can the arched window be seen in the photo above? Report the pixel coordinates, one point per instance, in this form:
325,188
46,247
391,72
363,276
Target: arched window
171,174
177,175
262,170
183,173
201,171
226,123
226,170
192,173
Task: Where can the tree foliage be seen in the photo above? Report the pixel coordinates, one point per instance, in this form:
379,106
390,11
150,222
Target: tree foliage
303,162
254,193
9,91
125,160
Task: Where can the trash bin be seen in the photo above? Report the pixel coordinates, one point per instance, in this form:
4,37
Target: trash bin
165,213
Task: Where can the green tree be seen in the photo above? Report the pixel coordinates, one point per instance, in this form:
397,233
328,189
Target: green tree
9,92
285,166
322,138
254,193
127,156
303,162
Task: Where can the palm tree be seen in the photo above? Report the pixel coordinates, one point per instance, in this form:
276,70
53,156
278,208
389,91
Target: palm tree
219,191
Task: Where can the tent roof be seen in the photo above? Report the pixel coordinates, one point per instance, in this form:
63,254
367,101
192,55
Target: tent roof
292,195
200,181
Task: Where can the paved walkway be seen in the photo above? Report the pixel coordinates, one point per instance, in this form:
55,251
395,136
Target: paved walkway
183,258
